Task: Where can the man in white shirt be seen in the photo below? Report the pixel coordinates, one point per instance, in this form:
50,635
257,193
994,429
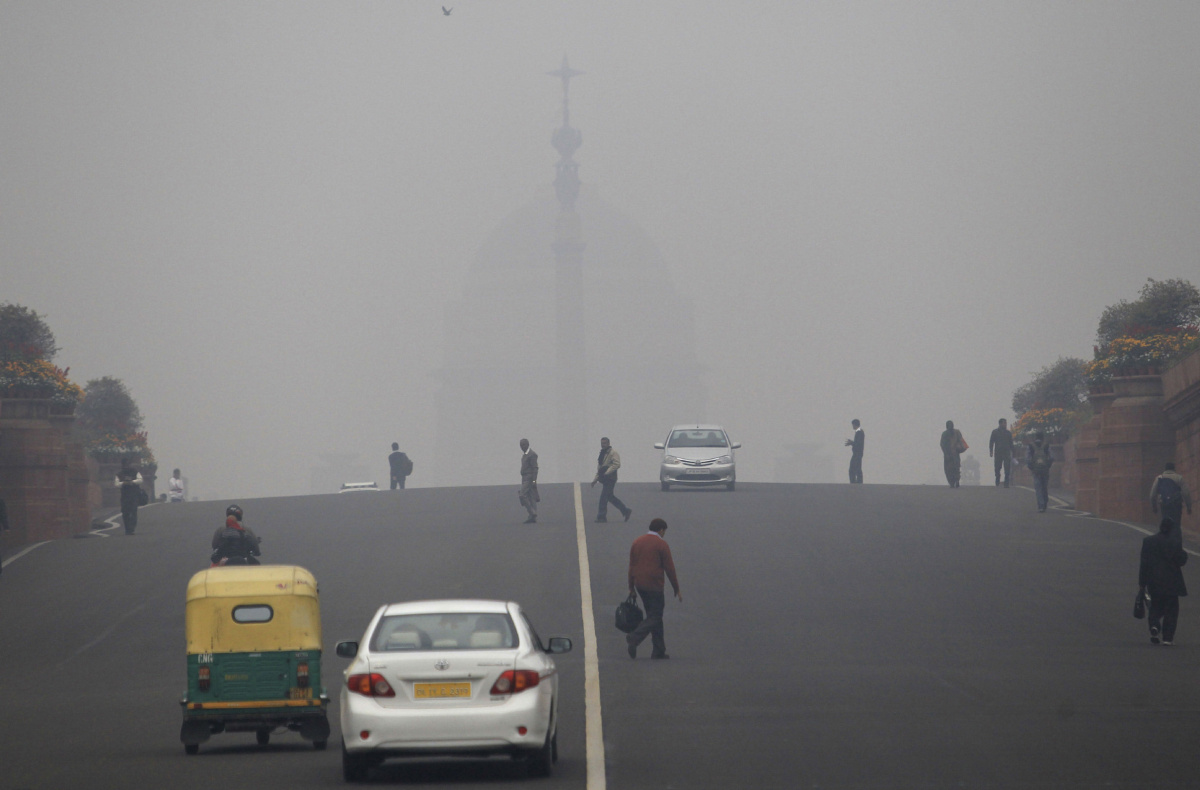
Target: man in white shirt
176,493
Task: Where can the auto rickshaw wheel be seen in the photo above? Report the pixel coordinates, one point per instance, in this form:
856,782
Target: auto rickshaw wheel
262,736
191,748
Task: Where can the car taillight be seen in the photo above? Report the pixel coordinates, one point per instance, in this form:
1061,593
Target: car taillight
372,685
302,675
205,678
514,681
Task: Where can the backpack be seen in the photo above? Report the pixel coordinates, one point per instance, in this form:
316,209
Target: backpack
1169,493
1042,460
407,466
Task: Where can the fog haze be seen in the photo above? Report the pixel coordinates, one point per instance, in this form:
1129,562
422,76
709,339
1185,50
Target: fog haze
256,214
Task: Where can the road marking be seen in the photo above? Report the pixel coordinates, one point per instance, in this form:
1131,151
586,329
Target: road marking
1071,513
22,553
103,635
591,673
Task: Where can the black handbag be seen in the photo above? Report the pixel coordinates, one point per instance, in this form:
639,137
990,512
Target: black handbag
1139,605
629,616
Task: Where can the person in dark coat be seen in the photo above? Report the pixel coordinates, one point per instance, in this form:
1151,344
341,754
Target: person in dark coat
399,465
953,446
1170,494
856,451
129,483
1000,447
528,495
1039,459
1160,575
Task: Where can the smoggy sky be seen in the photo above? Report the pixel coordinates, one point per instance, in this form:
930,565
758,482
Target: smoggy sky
255,213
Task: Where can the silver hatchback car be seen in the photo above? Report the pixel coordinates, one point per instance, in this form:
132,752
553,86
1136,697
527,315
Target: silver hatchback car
697,455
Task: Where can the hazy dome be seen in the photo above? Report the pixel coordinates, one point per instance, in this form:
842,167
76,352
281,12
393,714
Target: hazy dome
500,335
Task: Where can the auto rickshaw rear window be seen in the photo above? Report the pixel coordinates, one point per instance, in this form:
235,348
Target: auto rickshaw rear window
253,613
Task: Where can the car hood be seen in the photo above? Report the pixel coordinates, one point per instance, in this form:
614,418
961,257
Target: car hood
698,453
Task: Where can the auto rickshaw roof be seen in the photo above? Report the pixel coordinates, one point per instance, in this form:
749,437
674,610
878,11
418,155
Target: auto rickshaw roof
240,581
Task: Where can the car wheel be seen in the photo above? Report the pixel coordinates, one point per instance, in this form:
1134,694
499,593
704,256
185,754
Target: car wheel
354,768
665,485
729,486
541,761
554,748
262,736
191,748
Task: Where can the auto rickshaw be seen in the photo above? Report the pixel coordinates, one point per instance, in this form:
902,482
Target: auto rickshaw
253,655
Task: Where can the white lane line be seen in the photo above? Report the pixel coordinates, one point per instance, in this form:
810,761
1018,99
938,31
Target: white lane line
22,553
591,683
1084,514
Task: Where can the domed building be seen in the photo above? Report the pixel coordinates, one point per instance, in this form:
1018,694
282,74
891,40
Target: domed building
568,329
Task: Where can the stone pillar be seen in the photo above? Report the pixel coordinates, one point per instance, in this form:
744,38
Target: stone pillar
1181,393
1134,443
36,478
1087,455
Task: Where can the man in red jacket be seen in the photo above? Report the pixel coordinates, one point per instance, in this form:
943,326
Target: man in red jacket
649,560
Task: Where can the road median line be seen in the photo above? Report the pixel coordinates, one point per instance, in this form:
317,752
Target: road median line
596,779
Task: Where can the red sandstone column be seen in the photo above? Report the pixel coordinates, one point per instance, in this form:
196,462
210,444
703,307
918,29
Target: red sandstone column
1087,455
1135,442
33,467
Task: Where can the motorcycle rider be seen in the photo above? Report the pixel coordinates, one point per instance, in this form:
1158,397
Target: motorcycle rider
234,544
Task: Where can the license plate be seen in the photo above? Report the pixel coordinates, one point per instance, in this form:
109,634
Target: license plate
297,693
441,690
695,471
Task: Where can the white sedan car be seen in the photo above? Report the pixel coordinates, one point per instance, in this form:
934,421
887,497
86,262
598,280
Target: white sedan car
697,455
455,678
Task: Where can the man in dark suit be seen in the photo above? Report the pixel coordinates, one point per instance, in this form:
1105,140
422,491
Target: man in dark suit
856,452
399,466
528,495
1000,447
1160,574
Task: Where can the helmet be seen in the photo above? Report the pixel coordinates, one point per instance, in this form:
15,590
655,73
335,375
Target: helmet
235,511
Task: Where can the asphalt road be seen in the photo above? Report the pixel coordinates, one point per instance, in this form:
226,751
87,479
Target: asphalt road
830,637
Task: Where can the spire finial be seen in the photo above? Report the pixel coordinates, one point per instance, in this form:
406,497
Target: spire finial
566,141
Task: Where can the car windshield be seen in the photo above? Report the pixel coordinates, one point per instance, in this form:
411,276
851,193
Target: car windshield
452,631
697,438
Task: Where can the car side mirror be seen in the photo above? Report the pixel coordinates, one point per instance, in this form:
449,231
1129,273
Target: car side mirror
658,445
559,644
347,649
735,445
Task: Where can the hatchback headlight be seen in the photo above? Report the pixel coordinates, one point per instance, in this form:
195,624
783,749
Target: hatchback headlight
670,459
725,459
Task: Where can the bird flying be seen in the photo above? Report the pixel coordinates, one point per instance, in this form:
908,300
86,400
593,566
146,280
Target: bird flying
447,11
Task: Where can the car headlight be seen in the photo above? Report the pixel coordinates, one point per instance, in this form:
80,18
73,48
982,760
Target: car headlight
725,459
670,459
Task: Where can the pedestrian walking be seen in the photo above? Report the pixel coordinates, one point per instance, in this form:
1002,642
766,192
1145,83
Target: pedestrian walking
1170,494
856,451
649,561
528,494
129,483
175,487
1161,575
953,446
1000,448
400,465
607,465
1039,460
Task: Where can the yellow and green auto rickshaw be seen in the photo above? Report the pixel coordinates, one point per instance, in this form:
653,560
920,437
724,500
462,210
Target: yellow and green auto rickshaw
253,655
